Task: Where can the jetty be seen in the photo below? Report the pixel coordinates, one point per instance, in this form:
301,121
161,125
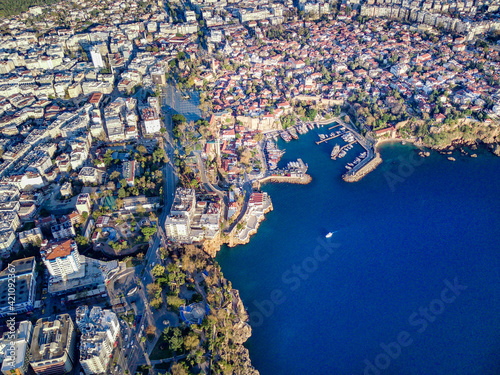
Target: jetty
328,138
342,148
334,126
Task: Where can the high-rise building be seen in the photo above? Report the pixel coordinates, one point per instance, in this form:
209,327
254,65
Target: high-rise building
151,120
96,56
61,257
158,77
23,272
53,346
178,223
15,349
99,328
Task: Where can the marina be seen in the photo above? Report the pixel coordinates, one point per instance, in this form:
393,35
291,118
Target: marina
355,168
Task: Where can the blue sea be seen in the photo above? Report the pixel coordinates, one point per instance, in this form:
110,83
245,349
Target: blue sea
409,282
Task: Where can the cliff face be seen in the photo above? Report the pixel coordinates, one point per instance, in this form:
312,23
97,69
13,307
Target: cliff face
240,332
464,132
211,247
225,328
496,149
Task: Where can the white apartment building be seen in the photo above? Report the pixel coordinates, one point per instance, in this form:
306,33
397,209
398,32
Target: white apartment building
7,241
63,230
30,236
99,328
151,120
83,203
19,344
96,57
178,223
61,257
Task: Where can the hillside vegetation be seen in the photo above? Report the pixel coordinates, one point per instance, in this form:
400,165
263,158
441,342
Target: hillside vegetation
12,7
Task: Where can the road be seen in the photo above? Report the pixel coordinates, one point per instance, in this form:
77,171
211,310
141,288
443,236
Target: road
140,353
208,184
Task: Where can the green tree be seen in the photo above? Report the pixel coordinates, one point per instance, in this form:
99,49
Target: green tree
178,119
81,240
175,301
191,341
122,193
179,369
115,175
158,271
140,209
148,232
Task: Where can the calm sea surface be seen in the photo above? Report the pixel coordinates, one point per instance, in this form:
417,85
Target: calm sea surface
376,297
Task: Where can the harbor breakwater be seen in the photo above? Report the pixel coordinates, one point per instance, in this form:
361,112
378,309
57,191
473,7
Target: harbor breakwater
304,180
358,174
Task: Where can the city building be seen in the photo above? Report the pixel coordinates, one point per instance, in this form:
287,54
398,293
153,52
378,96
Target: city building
151,120
84,203
63,230
17,345
128,172
53,346
89,175
66,190
178,223
100,329
148,203
158,77
61,257
31,237
24,292
7,242
96,56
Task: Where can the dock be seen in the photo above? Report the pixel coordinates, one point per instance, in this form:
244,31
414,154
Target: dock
334,126
344,146
327,139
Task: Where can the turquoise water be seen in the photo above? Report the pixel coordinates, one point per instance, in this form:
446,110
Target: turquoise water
401,234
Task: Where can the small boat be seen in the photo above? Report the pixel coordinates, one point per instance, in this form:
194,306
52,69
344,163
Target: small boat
335,151
329,235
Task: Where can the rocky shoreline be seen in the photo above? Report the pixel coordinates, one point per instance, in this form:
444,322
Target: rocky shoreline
212,247
237,353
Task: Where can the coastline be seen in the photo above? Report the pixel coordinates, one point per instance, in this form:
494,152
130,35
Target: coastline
232,240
